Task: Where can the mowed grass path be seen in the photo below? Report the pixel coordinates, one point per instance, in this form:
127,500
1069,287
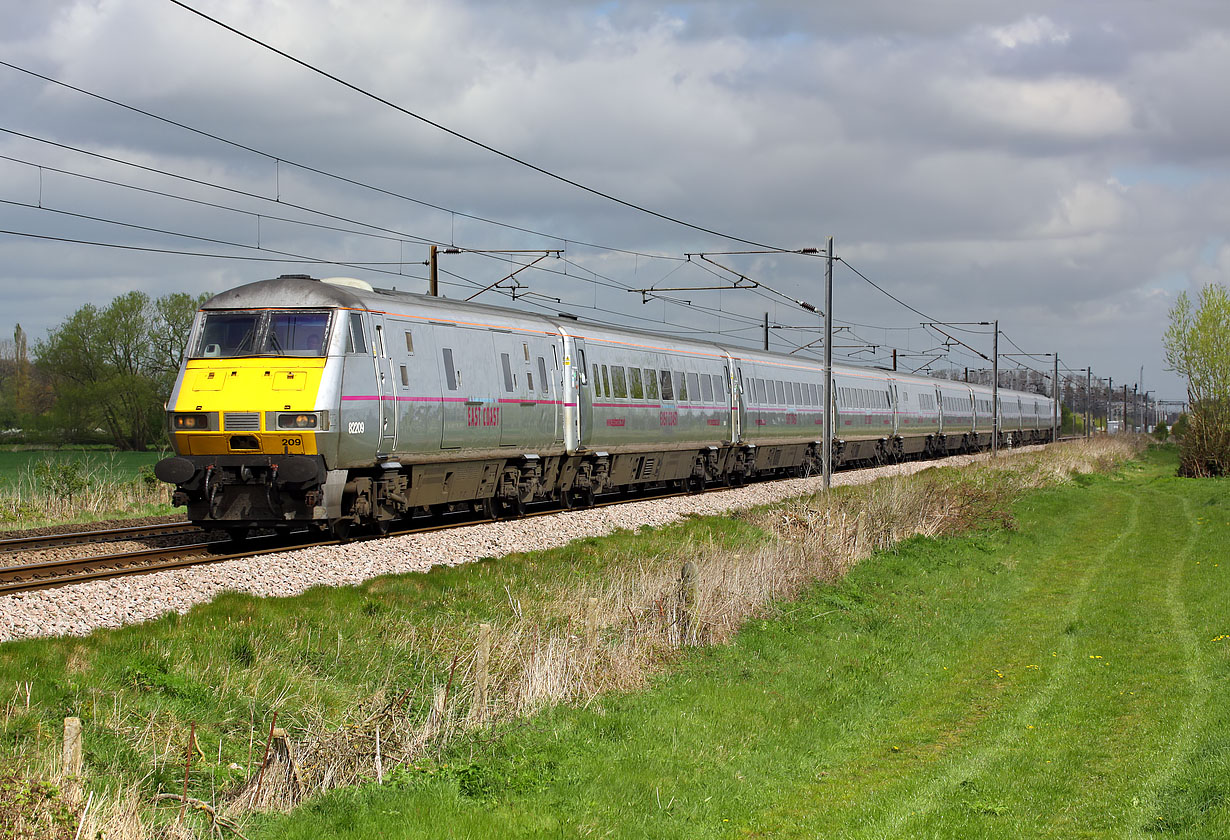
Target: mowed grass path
1066,679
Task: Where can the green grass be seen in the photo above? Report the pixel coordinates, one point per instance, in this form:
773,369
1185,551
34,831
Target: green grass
14,464
56,486
1064,679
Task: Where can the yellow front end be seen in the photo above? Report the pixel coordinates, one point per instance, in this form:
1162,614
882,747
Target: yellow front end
247,406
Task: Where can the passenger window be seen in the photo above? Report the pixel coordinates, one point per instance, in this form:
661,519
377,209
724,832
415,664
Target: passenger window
450,372
409,343
706,388
542,374
529,381
719,388
506,364
634,384
681,386
651,384
667,392
694,387
356,343
597,382
798,393
758,390
526,349
606,382
617,379
405,377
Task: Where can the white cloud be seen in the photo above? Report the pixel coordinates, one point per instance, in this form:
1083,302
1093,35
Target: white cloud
1028,32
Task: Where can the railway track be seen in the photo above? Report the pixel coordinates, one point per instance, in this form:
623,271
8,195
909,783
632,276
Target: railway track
14,545
47,574
61,572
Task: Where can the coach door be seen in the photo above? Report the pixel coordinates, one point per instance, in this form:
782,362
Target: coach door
585,403
386,387
359,422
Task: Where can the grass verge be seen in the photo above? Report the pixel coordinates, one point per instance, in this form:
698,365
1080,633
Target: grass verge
349,669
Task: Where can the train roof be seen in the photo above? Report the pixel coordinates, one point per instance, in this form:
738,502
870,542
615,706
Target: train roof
301,290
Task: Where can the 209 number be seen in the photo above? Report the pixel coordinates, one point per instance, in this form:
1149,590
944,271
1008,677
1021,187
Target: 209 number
355,427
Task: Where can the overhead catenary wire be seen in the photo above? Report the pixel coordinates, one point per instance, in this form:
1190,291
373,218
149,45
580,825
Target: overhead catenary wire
471,140
280,159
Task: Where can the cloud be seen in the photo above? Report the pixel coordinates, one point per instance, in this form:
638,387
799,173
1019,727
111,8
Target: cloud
1028,32
980,159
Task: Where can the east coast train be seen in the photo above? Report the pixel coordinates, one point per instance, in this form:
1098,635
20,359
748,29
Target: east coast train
331,403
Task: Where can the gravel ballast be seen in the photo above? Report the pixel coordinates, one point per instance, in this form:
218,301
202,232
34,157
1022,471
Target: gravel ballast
79,609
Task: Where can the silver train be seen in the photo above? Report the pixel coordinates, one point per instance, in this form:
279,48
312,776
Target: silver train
333,403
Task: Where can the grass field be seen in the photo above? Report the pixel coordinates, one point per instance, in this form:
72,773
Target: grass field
50,487
15,466
1064,679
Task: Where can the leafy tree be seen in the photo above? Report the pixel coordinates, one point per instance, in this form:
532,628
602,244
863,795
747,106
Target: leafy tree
1198,347
1160,431
114,367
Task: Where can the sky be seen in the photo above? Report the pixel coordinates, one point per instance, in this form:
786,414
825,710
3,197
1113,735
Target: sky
1061,167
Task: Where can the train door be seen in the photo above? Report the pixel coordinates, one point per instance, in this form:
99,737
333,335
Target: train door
559,392
734,384
470,382
585,402
386,387
894,407
359,423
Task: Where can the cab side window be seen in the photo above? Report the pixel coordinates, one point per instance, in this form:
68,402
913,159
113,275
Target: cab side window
355,341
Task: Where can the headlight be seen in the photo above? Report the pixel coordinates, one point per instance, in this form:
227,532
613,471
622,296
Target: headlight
190,422
291,420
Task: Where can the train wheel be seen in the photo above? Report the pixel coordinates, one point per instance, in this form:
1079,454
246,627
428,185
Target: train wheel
487,507
512,507
341,530
584,497
382,527
566,500
695,484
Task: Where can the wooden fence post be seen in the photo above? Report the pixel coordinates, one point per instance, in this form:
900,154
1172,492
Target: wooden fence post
481,669
72,759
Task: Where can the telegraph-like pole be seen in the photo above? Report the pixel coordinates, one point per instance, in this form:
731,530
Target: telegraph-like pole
1110,390
766,331
828,365
1055,401
1088,396
995,393
433,272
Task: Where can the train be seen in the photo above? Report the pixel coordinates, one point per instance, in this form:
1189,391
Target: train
331,403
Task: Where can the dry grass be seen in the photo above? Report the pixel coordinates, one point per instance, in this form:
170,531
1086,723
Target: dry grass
614,635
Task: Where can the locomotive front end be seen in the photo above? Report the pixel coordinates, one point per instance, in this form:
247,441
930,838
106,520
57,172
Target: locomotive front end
250,418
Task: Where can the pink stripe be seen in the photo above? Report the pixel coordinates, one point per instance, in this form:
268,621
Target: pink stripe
535,402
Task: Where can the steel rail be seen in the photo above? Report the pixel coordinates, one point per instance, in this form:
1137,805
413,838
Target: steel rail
15,544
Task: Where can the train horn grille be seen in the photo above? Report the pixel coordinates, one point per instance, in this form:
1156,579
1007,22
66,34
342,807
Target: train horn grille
242,421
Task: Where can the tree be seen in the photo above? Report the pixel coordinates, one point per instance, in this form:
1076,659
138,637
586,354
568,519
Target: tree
1197,346
114,367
